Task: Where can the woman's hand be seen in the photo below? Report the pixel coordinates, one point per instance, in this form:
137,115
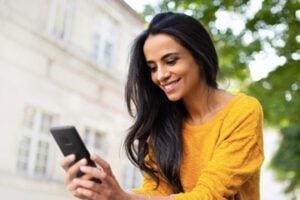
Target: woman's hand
109,189
71,172
84,188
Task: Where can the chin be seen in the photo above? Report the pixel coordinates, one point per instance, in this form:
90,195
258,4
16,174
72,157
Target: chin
173,97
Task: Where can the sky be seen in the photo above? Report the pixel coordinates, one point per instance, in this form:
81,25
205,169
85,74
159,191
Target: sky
138,5
264,62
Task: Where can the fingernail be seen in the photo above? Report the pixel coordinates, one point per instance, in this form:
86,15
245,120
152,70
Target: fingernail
71,157
75,180
83,168
82,161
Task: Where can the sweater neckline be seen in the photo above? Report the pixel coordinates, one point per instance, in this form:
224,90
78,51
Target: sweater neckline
219,115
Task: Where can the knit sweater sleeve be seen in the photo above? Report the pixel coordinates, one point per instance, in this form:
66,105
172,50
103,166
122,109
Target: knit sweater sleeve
237,156
149,187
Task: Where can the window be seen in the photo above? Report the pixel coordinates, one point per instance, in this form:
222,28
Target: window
131,177
97,48
108,53
106,41
23,154
34,143
29,116
95,140
46,122
60,18
41,158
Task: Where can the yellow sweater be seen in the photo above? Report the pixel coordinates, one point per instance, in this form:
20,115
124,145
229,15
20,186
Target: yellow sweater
221,158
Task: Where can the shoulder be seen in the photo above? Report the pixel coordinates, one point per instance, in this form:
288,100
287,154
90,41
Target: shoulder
239,103
244,111
244,104
248,99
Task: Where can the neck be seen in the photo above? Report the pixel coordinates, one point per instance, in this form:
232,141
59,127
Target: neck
200,106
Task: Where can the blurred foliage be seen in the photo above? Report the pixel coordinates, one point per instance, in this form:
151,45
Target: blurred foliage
227,44
279,92
289,143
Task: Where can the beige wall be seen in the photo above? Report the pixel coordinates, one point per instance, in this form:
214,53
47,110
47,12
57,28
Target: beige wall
60,76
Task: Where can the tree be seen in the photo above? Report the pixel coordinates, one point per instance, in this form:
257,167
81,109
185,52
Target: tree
289,154
279,92
275,26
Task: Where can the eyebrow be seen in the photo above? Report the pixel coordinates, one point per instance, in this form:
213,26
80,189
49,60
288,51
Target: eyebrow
164,56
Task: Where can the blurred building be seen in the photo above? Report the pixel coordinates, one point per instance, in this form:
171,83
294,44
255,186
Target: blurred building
61,62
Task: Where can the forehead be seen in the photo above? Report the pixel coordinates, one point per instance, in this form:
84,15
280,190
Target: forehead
157,45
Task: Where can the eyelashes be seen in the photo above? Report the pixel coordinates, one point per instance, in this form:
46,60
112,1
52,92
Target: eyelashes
172,61
152,69
168,62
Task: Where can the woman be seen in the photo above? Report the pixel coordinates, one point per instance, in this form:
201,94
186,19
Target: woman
195,141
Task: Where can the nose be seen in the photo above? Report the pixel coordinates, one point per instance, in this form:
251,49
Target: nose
162,74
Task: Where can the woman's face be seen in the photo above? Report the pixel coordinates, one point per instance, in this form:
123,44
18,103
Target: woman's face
172,67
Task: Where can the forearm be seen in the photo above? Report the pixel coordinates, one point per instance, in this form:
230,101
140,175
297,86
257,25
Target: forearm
133,196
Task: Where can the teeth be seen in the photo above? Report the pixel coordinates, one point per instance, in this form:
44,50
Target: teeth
170,86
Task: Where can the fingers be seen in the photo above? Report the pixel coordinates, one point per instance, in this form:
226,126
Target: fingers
94,172
102,163
109,187
72,186
87,194
86,189
87,184
66,162
74,169
70,176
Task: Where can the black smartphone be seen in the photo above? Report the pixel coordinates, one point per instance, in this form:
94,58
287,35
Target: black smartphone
70,142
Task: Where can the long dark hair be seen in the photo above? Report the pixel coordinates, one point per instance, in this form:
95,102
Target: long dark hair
158,121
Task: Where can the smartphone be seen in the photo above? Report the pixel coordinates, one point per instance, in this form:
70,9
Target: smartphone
70,142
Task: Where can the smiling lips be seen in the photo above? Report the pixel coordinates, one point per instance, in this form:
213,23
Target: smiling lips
170,87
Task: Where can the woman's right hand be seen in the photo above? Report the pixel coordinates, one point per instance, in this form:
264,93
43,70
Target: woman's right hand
71,172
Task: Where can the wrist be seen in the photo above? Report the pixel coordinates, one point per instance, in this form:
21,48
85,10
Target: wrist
132,196
129,195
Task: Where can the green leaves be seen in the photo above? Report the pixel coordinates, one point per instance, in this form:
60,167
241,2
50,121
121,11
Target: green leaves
279,95
288,171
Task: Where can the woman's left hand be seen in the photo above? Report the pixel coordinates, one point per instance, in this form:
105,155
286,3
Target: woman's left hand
109,189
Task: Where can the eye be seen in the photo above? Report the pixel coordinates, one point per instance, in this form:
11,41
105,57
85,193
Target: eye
171,61
152,68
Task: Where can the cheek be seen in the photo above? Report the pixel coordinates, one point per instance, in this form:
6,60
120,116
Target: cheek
195,77
154,79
